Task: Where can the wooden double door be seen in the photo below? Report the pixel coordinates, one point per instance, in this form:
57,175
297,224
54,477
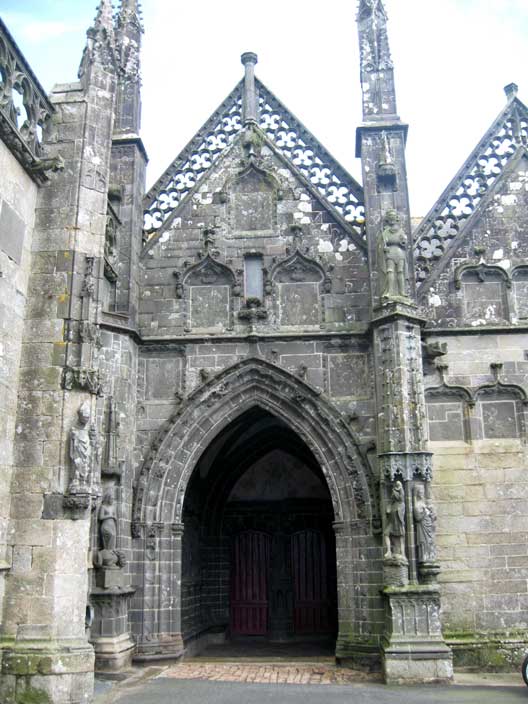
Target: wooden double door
282,585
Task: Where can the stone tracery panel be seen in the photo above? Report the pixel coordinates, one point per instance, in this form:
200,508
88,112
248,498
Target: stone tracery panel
461,198
334,184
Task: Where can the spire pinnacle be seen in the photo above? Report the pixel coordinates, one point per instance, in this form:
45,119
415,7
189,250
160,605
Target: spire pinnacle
377,77
250,102
374,42
100,40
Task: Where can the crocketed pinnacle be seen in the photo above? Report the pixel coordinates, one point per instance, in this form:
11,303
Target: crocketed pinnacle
129,15
100,40
373,38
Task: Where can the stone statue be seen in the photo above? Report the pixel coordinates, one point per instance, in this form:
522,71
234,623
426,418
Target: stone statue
425,519
107,522
81,451
392,257
394,532
108,558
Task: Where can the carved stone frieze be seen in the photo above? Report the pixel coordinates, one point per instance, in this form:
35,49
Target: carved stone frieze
406,465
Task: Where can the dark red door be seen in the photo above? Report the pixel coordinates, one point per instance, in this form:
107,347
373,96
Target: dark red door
249,584
312,607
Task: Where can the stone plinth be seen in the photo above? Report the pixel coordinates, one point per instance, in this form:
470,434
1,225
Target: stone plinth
396,571
414,650
110,634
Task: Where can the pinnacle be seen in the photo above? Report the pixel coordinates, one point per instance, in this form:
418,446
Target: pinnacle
104,17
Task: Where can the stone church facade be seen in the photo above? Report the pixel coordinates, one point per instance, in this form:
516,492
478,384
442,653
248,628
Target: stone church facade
254,403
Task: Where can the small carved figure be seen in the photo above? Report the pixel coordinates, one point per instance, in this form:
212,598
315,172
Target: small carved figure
425,519
394,532
392,257
81,450
107,522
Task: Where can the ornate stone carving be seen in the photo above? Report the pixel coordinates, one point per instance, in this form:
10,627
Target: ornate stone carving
82,379
88,286
21,127
328,180
253,311
425,522
392,257
451,215
394,529
374,44
81,452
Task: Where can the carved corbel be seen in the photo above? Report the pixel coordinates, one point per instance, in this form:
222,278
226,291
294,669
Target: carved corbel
54,164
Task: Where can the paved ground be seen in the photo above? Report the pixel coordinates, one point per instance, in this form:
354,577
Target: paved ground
198,682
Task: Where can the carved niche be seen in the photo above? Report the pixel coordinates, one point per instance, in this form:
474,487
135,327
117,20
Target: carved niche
500,408
299,281
484,293
208,288
252,202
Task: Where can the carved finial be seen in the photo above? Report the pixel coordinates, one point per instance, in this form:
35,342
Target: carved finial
104,19
250,105
129,30
511,91
100,40
374,42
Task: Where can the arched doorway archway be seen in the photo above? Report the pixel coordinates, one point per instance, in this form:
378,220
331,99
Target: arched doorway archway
258,552
162,485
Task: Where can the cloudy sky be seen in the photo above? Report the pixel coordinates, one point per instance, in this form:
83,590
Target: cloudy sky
452,59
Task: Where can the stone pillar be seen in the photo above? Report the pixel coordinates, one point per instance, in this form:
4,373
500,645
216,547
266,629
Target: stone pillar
413,647
161,636
46,655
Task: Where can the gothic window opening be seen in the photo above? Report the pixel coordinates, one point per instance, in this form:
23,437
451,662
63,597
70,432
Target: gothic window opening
253,276
110,260
520,292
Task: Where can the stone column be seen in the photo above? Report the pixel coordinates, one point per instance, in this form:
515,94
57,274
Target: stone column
46,654
413,647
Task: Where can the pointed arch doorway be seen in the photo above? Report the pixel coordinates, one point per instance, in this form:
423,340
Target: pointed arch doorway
258,549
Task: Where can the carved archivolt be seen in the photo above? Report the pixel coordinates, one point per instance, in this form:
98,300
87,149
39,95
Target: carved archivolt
162,483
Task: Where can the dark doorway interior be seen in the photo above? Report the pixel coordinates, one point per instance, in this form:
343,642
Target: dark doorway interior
258,548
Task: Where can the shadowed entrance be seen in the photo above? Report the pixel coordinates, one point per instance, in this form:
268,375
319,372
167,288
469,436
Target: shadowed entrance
258,553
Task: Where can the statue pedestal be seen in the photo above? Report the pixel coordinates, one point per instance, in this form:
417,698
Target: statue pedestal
414,650
395,571
110,635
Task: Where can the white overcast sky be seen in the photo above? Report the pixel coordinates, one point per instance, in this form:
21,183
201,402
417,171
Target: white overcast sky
452,60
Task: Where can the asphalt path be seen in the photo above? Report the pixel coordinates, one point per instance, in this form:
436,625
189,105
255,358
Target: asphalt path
164,690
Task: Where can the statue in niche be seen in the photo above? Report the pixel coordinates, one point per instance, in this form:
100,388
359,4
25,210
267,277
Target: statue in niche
394,532
81,451
108,557
425,519
392,257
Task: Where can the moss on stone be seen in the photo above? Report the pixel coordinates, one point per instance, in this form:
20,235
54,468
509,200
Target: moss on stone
33,696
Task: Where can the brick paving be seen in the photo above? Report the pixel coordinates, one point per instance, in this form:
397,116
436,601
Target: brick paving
268,673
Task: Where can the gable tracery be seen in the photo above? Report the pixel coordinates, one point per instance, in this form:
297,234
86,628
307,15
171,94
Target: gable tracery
337,188
456,205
